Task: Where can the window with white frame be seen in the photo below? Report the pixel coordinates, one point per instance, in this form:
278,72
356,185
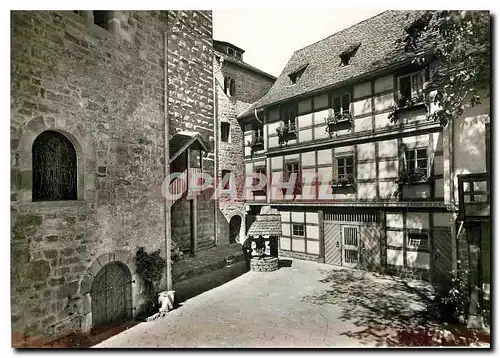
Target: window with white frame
345,167
411,86
341,103
230,51
288,116
416,160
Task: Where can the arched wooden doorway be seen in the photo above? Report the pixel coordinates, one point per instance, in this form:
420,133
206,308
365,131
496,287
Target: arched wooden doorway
234,229
111,295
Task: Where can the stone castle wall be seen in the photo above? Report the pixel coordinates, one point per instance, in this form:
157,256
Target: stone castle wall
103,89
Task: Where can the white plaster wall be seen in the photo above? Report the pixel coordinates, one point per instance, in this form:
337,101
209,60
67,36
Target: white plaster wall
305,120
363,124
366,151
285,243
416,141
298,245
308,158
324,156
394,220
362,89
325,174
383,102
362,107
395,257
313,247
388,169
367,190
384,83
276,163
382,121
305,135
418,259
312,217
387,189
297,216
320,132
312,232
319,117
395,238
388,148
417,220
366,171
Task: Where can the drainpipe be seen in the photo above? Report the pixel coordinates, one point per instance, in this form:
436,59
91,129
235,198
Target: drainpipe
168,228
216,154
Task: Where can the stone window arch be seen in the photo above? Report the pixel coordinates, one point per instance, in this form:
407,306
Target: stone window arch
229,86
54,163
22,162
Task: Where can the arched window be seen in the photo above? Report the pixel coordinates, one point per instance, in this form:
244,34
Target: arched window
54,167
229,86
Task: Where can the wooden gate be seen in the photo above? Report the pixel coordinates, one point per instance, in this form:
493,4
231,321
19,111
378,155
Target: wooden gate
350,246
111,295
333,246
352,239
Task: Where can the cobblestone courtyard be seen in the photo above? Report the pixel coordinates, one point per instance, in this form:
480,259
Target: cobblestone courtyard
303,305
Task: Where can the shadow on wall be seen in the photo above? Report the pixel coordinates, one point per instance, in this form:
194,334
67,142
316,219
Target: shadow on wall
380,310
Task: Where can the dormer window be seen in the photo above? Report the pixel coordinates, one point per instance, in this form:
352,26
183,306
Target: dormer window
230,51
239,55
229,86
348,53
295,75
101,18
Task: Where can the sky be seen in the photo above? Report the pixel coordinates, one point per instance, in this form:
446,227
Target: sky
270,36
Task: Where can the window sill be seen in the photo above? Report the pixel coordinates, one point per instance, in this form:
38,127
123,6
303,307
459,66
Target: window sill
54,204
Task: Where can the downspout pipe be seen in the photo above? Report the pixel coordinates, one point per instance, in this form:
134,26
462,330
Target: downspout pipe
168,206
216,140
168,202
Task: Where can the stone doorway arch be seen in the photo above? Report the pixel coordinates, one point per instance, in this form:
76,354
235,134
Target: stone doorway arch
235,229
122,264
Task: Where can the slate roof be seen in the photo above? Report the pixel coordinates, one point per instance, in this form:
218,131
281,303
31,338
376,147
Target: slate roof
240,63
182,140
378,49
265,225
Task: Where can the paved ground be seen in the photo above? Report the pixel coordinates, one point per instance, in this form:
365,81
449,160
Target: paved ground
304,305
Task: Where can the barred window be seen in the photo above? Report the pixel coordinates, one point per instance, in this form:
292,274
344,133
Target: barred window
418,241
54,168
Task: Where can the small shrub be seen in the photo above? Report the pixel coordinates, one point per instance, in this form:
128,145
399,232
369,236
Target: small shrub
150,266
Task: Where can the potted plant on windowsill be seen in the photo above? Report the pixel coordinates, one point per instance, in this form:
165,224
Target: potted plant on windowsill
256,144
286,132
414,176
338,122
343,181
407,103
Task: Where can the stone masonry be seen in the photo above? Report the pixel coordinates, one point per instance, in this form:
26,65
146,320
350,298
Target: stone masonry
250,85
104,89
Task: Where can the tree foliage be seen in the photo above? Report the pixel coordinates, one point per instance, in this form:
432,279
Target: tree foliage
461,45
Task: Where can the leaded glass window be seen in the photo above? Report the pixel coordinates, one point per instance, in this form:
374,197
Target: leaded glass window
54,168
